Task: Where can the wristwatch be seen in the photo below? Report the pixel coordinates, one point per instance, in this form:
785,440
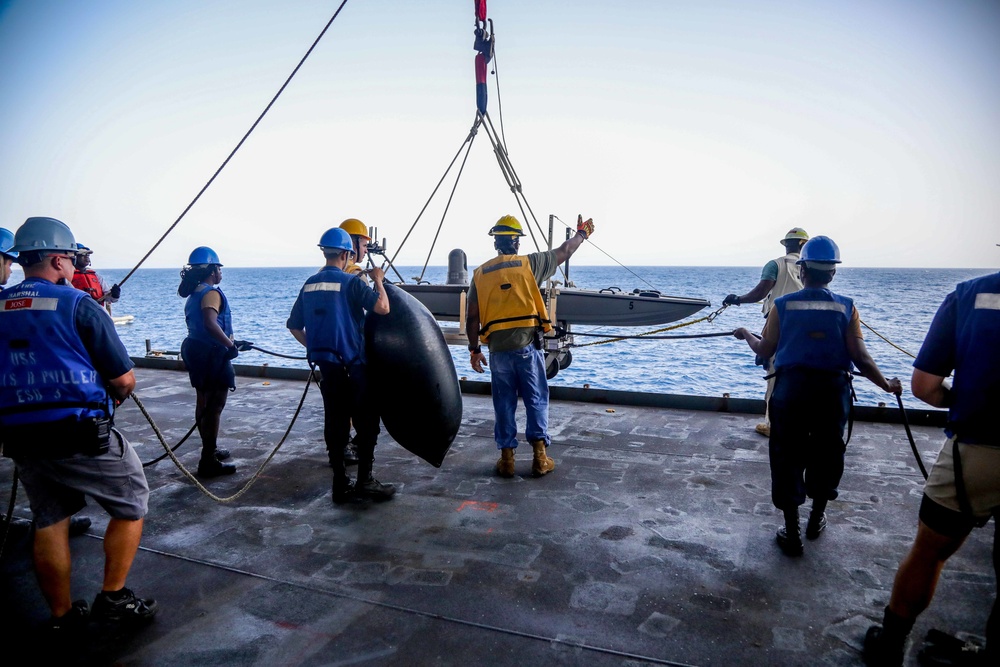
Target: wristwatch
476,350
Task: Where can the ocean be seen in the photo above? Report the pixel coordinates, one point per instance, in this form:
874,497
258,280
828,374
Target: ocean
898,303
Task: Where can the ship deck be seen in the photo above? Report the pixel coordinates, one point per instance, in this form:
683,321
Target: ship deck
651,543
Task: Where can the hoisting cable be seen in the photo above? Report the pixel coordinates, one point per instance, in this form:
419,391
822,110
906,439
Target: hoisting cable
447,206
496,75
468,139
611,258
246,487
238,145
513,181
887,340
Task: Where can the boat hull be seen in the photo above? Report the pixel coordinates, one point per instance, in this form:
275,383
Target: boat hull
575,306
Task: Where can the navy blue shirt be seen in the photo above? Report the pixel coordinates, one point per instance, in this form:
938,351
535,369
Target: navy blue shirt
965,338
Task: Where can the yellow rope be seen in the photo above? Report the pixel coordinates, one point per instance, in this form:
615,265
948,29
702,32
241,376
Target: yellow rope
648,333
887,340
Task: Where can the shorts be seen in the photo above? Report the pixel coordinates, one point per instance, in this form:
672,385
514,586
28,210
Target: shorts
981,474
207,365
115,480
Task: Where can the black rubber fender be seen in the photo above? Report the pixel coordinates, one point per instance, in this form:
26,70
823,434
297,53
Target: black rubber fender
411,367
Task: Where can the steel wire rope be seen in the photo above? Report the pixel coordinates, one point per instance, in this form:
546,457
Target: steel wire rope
447,206
514,181
468,139
496,75
246,487
610,257
238,145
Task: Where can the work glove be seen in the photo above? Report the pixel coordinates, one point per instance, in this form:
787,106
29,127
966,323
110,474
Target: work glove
243,345
731,300
231,353
116,292
584,226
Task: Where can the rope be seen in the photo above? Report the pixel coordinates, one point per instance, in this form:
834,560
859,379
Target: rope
238,145
887,340
173,449
253,479
649,334
909,436
471,135
276,354
609,256
447,206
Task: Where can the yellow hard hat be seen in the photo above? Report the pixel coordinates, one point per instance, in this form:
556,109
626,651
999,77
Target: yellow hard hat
355,227
796,234
507,226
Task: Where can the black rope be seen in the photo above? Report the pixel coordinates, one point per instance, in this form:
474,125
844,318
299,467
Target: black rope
276,354
909,435
173,449
667,337
238,146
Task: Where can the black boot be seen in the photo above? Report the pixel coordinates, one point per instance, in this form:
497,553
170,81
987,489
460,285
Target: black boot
817,519
369,487
885,646
343,487
788,536
210,466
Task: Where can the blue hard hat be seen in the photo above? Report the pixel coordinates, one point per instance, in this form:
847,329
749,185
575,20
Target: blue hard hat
6,243
38,234
336,238
819,250
83,250
203,255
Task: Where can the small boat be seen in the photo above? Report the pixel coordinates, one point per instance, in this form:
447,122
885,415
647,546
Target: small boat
606,307
121,320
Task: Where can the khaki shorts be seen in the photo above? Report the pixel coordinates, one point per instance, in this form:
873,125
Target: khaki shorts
980,471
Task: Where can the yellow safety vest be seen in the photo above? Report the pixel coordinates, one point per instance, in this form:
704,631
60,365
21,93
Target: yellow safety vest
508,296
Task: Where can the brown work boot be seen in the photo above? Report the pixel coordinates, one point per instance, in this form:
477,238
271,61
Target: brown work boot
505,464
542,464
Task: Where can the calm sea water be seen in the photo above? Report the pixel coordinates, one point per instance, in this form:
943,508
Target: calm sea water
899,303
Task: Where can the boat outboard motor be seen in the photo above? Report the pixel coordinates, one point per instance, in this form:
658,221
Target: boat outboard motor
458,267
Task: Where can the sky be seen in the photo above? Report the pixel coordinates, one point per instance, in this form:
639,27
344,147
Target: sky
694,133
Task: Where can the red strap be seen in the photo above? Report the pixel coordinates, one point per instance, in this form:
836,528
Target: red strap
480,10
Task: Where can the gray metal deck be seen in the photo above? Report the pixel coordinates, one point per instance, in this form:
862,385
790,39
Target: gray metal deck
651,543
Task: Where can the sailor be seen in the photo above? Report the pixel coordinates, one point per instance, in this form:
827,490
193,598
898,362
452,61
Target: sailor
506,311
355,267
328,319
86,279
208,352
360,241
78,525
779,277
963,488
815,336
66,370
